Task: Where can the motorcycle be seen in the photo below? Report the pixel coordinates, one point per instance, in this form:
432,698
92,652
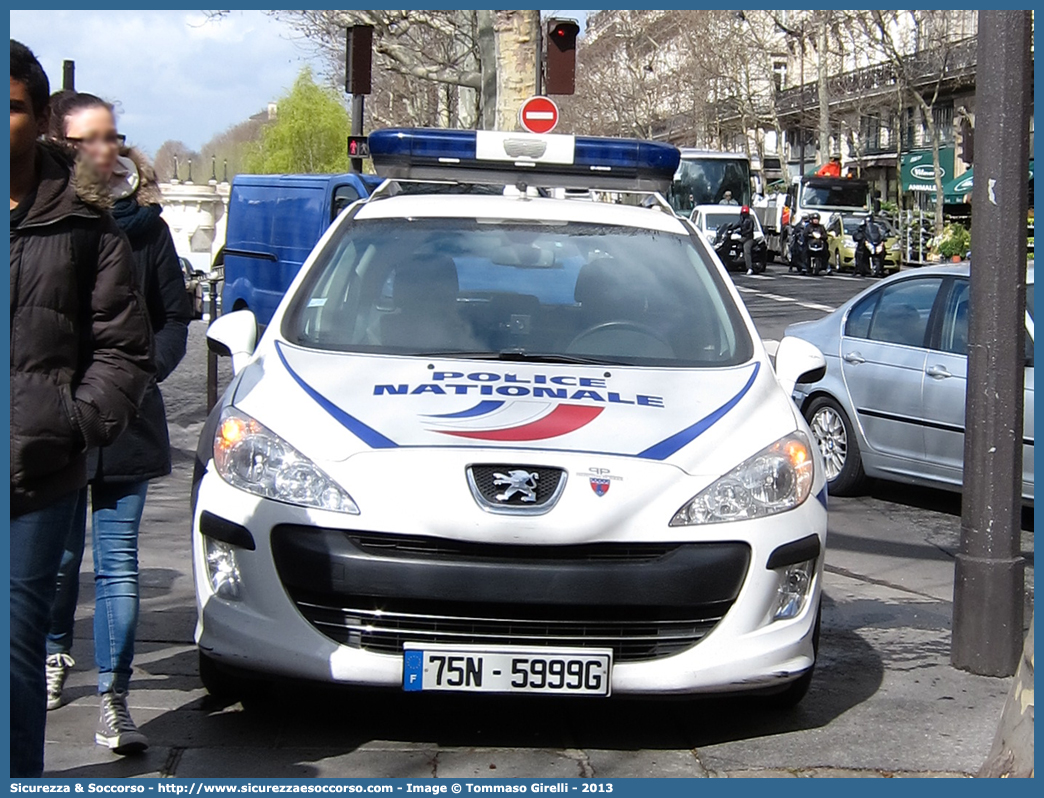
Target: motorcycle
816,256
728,244
872,250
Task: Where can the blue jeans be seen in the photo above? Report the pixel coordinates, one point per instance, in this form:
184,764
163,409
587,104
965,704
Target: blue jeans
37,540
115,520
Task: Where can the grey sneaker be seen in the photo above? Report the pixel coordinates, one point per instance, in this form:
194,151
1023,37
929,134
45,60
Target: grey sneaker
116,729
57,669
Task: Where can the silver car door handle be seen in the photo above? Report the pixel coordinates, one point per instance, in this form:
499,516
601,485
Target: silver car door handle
939,372
855,358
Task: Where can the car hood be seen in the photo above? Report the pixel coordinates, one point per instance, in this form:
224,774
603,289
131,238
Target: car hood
332,406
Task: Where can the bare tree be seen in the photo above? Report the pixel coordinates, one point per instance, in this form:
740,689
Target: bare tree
918,45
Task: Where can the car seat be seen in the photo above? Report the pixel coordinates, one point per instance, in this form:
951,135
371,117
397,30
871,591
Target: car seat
424,296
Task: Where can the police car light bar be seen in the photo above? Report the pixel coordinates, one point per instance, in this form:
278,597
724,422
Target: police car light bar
545,161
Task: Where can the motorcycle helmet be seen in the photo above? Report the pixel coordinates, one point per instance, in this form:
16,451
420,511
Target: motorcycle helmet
814,218
744,210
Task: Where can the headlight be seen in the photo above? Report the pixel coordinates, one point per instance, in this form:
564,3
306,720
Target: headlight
776,479
254,459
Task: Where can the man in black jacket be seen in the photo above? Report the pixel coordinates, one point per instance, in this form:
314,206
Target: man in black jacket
81,359
746,231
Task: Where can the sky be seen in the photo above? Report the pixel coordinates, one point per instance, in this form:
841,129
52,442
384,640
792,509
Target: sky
174,74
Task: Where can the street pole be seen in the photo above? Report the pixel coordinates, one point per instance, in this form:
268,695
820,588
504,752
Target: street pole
68,75
989,572
357,126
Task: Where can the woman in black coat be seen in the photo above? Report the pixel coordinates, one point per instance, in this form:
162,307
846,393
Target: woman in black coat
119,474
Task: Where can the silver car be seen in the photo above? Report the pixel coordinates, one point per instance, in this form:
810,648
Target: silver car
891,403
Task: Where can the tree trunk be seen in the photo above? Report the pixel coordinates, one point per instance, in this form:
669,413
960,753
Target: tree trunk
517,35
824,93
487,47
1012,752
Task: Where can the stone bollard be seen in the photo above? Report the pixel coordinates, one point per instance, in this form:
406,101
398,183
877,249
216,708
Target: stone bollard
1012,752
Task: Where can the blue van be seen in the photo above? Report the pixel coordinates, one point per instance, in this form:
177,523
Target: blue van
274,221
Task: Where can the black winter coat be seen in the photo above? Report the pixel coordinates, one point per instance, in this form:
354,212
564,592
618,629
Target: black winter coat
81,348
746,227
143,451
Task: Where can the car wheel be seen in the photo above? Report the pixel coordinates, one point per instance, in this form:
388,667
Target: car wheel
791,695
762,262
229,684
836,439
837,260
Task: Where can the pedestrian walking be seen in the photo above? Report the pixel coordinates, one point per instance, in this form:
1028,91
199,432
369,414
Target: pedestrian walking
118,474
81,361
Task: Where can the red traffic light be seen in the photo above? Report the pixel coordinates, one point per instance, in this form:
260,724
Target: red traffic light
561,56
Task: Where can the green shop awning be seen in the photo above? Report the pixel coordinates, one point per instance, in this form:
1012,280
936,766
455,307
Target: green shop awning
955,190
917,170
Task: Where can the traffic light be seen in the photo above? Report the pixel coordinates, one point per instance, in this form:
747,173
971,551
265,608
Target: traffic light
561,56
358,59
358,146
966,150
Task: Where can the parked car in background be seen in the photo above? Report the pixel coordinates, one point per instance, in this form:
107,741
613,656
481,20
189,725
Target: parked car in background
891,403
197,287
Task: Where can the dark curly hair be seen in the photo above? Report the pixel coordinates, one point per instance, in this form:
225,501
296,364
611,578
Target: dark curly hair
65,103
26,69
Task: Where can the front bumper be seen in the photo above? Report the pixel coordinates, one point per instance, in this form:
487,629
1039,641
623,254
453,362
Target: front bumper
301,610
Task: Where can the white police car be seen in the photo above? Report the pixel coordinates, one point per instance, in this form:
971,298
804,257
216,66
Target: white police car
498,442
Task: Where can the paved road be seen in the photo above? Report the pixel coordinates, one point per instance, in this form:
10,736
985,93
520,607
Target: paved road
884,702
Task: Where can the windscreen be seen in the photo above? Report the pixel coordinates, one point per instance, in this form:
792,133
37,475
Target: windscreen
841,194
704,181
555,292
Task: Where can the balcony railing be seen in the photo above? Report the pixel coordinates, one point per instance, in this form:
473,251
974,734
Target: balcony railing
922,68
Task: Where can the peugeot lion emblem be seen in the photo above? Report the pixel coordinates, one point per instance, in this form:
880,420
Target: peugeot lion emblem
517,481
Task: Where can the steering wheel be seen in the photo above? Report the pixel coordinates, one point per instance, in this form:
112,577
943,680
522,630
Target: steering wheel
628,326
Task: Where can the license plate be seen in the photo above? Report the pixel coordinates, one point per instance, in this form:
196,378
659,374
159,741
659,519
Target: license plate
506,670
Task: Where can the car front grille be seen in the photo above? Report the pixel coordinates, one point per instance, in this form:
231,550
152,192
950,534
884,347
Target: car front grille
634,634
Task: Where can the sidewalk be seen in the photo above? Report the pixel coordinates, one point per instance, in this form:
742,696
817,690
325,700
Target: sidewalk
885,701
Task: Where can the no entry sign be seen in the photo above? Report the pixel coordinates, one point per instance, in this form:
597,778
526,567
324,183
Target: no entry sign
538,115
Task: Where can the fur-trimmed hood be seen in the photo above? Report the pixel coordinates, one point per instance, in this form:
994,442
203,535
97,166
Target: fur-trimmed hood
92,188
148,192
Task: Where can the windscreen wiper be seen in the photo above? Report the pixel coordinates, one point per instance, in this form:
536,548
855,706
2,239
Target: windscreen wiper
518,354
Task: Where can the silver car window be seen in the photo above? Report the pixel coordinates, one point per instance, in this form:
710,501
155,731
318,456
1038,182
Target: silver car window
954,336
903,310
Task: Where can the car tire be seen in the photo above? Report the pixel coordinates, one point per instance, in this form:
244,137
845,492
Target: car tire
835,436
837,260
229,684
790,696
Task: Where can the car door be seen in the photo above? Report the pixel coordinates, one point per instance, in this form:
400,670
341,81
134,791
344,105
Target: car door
883,350
946,384
945,388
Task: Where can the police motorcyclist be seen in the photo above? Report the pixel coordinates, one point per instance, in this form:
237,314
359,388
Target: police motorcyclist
811,225
868,230
746,231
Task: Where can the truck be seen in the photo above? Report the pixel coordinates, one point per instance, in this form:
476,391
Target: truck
704,176
779,213
274,221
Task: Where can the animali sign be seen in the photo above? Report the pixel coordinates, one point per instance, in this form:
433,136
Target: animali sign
918,171
538,115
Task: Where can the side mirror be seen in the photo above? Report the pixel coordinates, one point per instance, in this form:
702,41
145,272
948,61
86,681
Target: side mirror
233,335
798,361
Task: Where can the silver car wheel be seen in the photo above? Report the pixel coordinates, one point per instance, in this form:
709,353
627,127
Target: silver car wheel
829,431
